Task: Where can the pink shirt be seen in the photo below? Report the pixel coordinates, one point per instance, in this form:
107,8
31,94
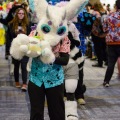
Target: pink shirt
64,47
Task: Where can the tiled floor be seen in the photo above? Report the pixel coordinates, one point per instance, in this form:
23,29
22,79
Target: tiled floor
102,103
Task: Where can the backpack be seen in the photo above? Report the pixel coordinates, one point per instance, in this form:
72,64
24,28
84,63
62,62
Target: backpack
97,28
87,20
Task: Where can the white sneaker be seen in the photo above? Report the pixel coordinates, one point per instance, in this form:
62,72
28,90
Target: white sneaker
107,85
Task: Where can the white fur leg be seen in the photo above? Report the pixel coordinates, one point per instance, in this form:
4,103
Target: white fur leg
71,110
11,69
71,85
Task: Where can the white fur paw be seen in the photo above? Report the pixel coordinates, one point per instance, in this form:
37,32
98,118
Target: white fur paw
71,110
46,52
48,59
44,44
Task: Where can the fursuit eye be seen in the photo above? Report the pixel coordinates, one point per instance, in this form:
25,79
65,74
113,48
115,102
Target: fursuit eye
61,30
45,28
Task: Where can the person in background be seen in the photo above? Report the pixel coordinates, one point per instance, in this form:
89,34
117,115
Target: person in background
112,26
90,46
98,37
78,58
8,18
19,24
104,6
31,14
108,8
11,13
89,8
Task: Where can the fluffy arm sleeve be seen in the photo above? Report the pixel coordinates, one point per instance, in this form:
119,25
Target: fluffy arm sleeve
73,41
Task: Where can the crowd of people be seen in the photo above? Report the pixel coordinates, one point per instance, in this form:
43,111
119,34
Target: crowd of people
105,37
104,46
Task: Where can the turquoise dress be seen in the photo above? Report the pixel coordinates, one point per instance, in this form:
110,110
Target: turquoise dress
49,75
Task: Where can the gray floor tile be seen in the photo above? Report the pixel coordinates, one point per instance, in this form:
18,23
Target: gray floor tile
101,103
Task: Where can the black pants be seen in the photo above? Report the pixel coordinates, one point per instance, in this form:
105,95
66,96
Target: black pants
80,90
55,102
100,49
23,63
113,54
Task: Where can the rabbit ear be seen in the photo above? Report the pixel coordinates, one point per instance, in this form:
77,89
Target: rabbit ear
74,7
38,6
47,13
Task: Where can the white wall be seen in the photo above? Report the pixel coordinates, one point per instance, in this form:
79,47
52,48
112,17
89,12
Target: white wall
111,2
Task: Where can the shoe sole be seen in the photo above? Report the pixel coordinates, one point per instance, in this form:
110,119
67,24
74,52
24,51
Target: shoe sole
81,103
106,85
24,90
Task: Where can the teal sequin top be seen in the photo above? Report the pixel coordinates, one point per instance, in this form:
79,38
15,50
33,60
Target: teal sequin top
49,75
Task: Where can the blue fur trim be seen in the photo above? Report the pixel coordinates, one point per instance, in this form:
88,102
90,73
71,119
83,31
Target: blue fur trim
31,5
82,6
